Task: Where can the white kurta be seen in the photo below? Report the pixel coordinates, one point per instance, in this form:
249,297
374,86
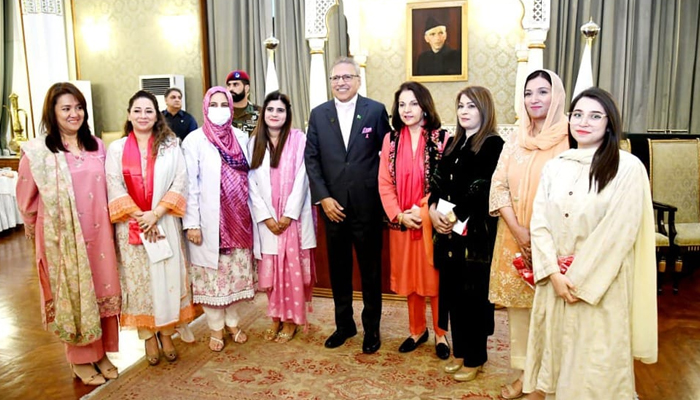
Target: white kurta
584,351
204,173
153,294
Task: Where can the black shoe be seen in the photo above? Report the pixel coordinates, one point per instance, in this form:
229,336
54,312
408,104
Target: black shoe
371,342
409,344
442,350
338,338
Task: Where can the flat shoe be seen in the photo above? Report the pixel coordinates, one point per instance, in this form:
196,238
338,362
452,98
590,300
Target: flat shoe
509,391
284,337
409,344
108,370
238,335
93,378
270,334
442,350
216,344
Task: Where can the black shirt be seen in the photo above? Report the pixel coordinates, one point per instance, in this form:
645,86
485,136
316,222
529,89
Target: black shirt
181,123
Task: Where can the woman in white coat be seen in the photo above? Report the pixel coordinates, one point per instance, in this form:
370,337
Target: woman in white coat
281,204
217,221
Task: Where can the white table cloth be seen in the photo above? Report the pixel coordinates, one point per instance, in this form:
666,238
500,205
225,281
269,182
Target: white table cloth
9,213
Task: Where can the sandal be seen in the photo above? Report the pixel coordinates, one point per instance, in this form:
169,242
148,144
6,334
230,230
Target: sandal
216,344
153,358
510,390
238,335
108,370
89,378
284,337
170,354
270,334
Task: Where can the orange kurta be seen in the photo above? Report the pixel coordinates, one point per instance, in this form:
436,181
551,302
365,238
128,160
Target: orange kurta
410,269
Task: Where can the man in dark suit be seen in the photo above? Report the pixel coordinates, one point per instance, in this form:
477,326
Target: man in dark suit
342,161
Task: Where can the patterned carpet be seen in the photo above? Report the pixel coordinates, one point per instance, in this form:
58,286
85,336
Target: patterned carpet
304,369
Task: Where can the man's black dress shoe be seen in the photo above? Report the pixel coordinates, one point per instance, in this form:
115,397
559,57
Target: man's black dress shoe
409,344
338,338
442,351
371,343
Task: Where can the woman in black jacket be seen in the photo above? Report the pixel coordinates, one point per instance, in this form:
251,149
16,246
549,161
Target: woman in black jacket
464,235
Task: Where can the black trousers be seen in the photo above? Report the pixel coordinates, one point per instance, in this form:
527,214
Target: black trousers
464,294
365,235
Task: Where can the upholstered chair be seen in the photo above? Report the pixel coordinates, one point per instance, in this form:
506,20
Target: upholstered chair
674,173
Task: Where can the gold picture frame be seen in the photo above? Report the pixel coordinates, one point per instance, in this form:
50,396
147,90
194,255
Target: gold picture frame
430,57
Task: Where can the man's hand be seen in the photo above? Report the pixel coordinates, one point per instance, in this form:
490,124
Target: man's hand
333,209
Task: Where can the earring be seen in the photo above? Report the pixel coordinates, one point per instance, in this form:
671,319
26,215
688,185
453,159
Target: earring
425,114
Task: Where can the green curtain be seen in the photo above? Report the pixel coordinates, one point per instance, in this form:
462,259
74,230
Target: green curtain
647,55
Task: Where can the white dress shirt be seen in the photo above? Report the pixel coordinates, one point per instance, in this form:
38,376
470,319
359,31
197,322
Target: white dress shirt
346,111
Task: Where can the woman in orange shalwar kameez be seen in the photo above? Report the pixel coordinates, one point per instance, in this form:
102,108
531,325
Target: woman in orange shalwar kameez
408,159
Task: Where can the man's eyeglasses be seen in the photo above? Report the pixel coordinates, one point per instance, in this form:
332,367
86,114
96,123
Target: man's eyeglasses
346,78
593,118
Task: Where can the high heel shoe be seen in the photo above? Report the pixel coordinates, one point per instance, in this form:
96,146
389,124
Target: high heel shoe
452,368
170,354
152,357
108,370
466,376
89,378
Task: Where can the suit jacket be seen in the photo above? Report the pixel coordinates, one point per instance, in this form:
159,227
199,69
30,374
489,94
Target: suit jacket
349,176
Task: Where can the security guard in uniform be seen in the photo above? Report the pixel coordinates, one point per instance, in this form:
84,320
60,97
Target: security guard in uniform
245,113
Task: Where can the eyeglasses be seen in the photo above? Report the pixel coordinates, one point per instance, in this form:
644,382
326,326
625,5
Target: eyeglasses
593,118
346,78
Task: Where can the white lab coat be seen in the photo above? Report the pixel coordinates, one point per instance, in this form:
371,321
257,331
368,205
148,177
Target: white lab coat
203,203
298,205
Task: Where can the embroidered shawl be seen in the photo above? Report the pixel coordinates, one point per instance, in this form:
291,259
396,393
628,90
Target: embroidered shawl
73,314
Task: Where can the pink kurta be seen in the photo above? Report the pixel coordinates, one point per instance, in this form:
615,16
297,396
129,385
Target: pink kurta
291,286
90,188
410,270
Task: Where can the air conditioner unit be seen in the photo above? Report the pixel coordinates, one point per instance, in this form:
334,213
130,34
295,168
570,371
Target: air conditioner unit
158,84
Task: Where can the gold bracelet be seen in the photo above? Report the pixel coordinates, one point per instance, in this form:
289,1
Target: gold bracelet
155,213
400,218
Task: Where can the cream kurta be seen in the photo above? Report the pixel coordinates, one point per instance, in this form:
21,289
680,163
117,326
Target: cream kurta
584,351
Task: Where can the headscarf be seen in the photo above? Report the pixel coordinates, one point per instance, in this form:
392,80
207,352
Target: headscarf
235,224
221,137
552,140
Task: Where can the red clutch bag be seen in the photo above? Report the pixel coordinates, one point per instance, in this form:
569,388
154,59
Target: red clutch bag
529,277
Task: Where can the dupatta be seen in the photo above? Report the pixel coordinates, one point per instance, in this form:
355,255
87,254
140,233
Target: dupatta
72,313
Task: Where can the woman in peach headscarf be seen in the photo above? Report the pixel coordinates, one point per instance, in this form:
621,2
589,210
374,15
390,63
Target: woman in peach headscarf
543,134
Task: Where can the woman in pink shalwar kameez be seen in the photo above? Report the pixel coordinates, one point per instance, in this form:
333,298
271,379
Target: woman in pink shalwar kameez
284,225
77,265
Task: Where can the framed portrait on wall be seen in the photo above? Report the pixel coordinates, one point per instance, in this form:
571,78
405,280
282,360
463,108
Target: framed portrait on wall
437,41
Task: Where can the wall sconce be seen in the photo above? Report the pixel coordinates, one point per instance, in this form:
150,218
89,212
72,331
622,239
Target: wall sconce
96,33
177,29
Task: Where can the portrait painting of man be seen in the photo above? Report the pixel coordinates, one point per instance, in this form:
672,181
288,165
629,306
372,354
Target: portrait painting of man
437,41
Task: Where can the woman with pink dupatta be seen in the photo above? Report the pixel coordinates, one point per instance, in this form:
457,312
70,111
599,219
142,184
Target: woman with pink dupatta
147,187
62,195
409,158
541,136
218,223
285,235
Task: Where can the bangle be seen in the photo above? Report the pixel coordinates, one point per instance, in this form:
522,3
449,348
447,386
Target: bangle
400,218
155,213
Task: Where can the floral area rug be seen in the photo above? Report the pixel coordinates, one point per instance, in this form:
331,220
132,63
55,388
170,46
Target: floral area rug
304,369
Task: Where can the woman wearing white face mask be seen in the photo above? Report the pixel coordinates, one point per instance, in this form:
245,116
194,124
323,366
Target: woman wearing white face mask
217,221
